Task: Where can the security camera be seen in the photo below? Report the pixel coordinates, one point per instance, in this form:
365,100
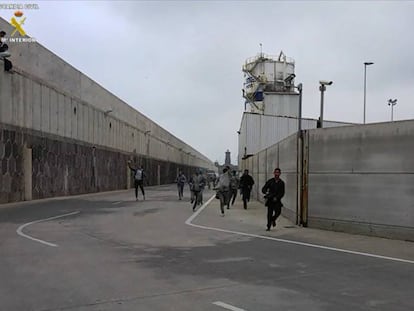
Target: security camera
323,82
392,102
289,78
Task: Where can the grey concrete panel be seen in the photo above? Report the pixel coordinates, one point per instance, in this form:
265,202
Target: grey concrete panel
61,114
97,96
81,116
253,164
74,118
385,231
262,165
282,105
111,132
386,147
128,139
117,134
262,178
45,112
85,123
17,100
289,200
68,116
95,128
272,157
37,106
91,124
288,154
54,112
385,199
27,102
6,98
36,59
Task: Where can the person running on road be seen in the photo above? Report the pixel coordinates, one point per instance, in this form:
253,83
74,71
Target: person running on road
234,186
274,190
198,184
223,189
246,184
181,180
139,176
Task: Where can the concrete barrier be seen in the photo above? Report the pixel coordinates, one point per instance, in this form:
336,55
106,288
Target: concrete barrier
79,134
356,179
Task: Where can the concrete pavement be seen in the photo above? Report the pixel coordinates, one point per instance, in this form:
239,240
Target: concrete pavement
118,254
253,221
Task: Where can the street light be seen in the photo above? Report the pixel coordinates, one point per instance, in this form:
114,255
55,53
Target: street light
392,103
322,88
365,87
299,145
300,88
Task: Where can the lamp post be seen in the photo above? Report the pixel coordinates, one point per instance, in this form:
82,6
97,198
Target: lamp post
322,88
299,152
365,87
392,103
300,87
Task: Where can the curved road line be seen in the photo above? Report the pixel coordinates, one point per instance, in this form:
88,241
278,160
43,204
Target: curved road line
227,306
20,229
192,217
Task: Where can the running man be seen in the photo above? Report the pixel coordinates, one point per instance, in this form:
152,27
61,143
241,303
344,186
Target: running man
139,176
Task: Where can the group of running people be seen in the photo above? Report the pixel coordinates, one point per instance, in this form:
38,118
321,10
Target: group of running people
227,186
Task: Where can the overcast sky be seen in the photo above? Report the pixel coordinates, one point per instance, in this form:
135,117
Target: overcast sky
179,62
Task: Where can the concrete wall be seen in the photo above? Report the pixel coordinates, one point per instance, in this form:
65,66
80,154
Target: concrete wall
45,91
35,165
262,164
260,131
357,179
62,133
361,179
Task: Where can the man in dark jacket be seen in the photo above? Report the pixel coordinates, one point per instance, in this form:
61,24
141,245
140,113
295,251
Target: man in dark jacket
246,184
274,190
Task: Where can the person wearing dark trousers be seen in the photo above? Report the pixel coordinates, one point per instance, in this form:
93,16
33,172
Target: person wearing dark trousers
198,185
139,176
223,189
246,185
234,186
181,180
274,190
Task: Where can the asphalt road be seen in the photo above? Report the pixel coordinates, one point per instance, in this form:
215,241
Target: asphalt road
109,252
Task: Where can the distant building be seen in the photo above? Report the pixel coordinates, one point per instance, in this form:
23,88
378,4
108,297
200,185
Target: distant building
227,162
272,105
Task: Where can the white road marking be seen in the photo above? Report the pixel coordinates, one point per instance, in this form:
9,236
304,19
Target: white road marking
227,306
20,229
114,203
192,217
227,260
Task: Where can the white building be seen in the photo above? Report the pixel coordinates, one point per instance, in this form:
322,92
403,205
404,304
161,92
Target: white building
272,104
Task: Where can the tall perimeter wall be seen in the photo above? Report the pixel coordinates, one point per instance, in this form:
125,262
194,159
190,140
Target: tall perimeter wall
357,179
61,133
